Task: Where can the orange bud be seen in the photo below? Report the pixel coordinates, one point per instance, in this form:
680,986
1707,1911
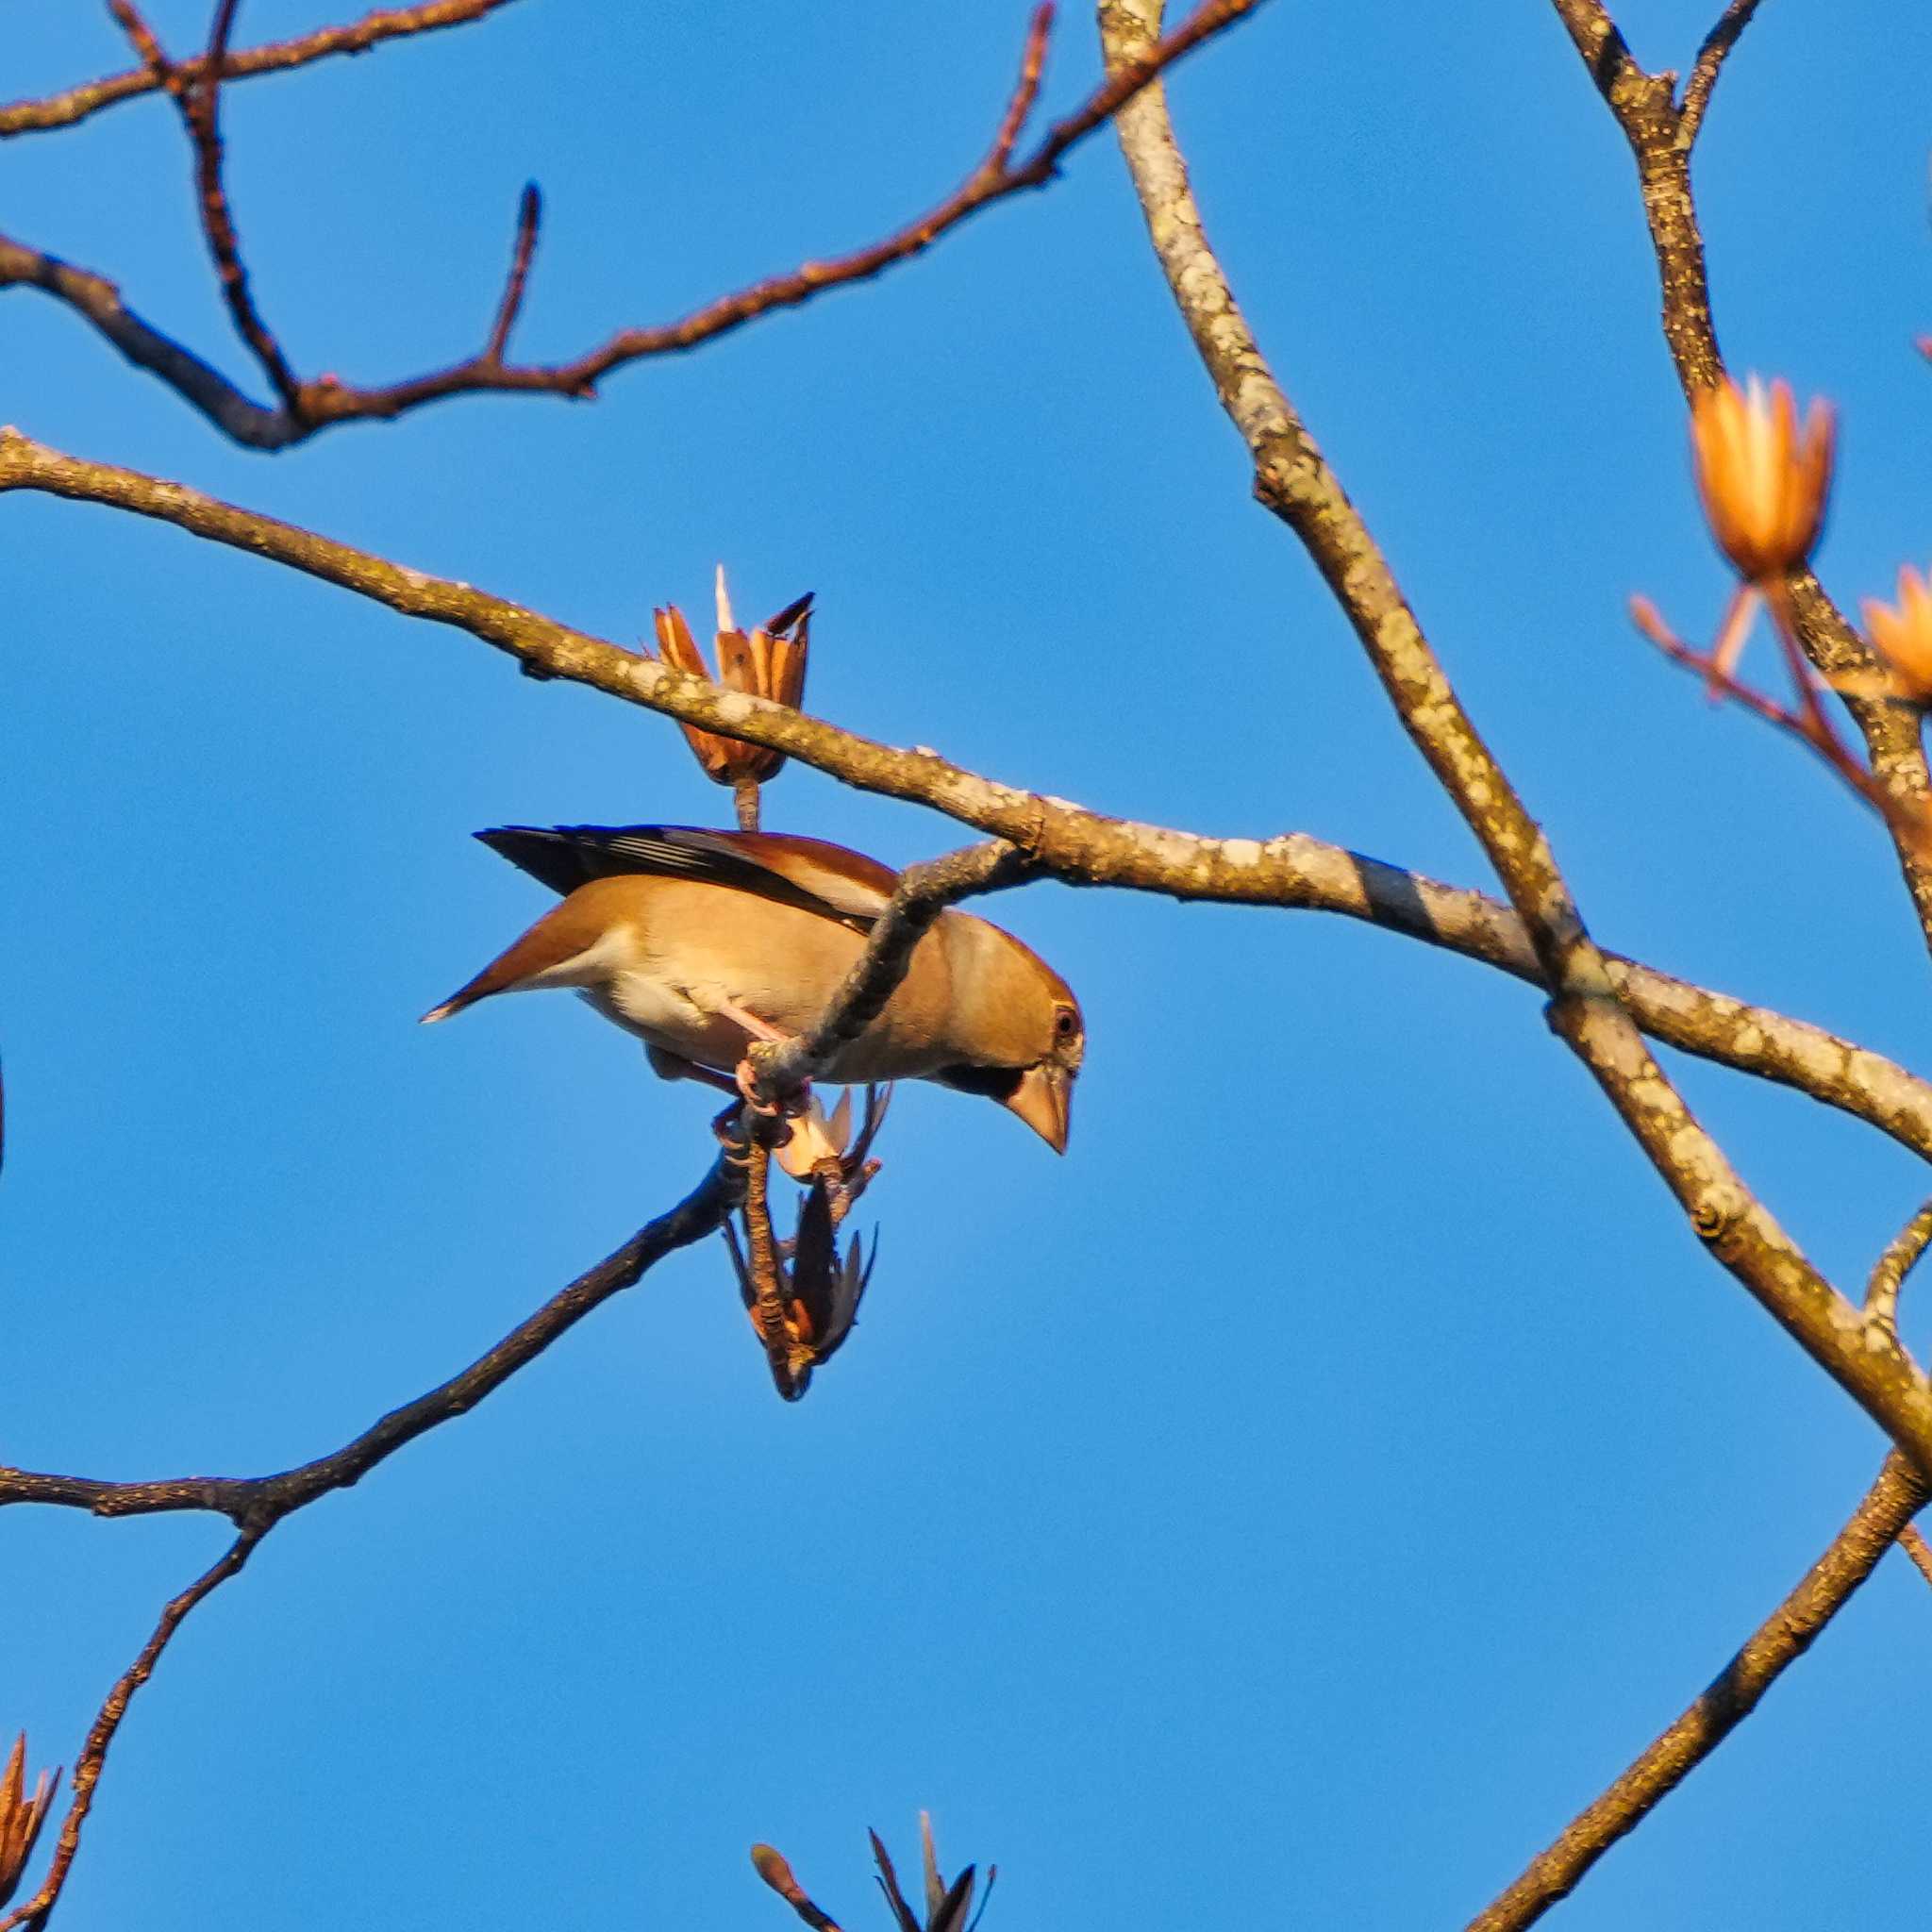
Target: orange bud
1903,637
20,1817
1764,482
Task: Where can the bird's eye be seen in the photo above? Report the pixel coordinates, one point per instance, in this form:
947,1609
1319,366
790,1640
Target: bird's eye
1065,1022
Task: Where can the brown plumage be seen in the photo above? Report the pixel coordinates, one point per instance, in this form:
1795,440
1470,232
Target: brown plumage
700,941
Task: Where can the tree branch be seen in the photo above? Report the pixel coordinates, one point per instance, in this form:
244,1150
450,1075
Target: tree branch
1661,134
1913,1542
1711,57
1881,1293
923,891
773,1867
523,251
236,414
87,1770
257,1503
1081,847
307,407
1784,1636
76,103
200,105
1292,479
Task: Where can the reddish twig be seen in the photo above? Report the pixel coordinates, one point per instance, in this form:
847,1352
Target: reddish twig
776,1869
162,72
307,407
257,1502
1912,1540
198,103
86,1769
1026,90
766,1273
75,104
1810,725
201,114
529,213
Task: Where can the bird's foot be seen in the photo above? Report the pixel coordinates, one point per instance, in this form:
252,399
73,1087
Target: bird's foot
746,1081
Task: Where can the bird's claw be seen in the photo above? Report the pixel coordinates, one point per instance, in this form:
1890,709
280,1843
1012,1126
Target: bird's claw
748,1088
787,1109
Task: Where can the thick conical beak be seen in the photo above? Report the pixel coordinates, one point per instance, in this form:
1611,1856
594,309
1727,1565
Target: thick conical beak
1043,1100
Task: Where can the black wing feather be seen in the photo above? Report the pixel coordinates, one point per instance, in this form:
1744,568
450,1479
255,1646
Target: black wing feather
566,857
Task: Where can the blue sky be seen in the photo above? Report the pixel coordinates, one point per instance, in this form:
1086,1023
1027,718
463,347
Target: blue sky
1287,1509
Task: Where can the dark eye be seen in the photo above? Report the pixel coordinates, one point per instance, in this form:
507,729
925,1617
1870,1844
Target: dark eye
1066,1022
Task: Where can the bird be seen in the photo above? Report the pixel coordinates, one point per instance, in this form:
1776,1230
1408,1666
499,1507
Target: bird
700,941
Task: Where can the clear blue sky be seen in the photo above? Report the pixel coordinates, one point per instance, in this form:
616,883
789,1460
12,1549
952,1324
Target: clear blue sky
1285,1510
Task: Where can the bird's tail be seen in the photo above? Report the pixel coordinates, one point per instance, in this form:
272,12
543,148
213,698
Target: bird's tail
568,946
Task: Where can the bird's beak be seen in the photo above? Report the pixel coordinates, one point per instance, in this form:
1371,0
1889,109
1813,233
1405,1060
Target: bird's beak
1044,1099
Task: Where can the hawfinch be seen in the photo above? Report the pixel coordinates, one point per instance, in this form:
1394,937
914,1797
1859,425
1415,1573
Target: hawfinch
700,943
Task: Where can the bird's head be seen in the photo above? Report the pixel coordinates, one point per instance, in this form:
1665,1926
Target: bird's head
1016,1027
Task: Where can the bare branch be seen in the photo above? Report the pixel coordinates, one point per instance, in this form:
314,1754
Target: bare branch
87,1770
201,112
774,1867
923,891
1810,725
1784,1636
236,414
1291,871
307,407
1913,1542
160,70
1292,479
1711,57
529,213
198,103
386,24
1661,135
256,1503
761,1268
1898,1260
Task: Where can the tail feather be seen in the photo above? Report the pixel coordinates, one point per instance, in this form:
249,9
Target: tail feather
564,948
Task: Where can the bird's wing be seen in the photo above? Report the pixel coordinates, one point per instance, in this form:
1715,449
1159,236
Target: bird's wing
810,874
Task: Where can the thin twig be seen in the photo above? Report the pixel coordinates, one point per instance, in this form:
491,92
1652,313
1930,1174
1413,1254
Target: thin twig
766,1272
775,1870
1898,1260
255,1502
1784,1636
744,798
529,213
1026,91
1711,56
162,72
307,407
781,1071
86,1769
201,114
1913,1541
231,410
75,104
1081,847
1810,725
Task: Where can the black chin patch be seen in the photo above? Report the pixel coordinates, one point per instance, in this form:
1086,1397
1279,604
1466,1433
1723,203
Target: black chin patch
995,1083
